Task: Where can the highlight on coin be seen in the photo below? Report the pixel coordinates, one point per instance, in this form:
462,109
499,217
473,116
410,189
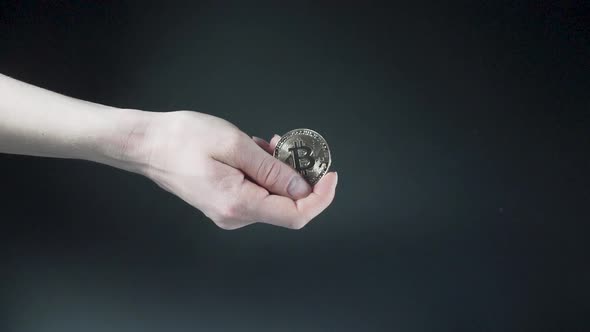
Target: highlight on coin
306,151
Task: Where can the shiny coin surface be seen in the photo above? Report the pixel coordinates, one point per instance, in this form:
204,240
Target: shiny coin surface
306,151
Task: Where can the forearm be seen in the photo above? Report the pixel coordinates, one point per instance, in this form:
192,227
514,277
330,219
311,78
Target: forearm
38,122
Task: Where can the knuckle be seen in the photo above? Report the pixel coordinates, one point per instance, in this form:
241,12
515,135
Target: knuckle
233,139
218,219
298,223
225,226
223,222
231,144
232,210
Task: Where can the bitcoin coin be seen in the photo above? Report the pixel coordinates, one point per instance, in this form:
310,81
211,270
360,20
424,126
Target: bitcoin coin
306,151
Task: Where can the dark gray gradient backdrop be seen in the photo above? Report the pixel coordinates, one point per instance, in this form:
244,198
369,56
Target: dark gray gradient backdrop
460,134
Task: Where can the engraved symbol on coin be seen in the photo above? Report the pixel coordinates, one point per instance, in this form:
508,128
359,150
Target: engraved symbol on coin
297,157
306,151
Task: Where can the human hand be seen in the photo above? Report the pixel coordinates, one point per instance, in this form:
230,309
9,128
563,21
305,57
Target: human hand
204,160
233,179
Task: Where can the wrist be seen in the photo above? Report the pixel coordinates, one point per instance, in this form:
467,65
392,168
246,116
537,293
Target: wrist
125,144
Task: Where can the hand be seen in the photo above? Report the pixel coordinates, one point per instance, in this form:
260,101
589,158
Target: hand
231,178
204,160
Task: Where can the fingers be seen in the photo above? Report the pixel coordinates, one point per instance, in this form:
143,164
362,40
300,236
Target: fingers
270,173
250,203
263,144
281,211
254,203
266,146
274,140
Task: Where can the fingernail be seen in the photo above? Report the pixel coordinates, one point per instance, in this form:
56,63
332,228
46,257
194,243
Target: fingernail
256,138
298,187
276,136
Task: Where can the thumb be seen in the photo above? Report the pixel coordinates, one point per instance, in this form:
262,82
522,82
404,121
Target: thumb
269,172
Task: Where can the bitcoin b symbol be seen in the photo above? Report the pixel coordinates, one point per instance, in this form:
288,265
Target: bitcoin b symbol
298,157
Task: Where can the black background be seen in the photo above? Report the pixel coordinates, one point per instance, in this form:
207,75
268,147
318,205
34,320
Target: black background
460,134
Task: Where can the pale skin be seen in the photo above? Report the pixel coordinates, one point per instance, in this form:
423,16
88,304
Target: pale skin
204,160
